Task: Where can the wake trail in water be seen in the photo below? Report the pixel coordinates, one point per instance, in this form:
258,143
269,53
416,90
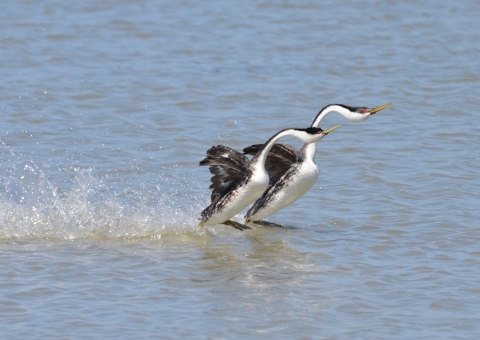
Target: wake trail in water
81,204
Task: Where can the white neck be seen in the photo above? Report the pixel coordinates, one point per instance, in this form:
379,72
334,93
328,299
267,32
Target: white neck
261,156
351,116
308,150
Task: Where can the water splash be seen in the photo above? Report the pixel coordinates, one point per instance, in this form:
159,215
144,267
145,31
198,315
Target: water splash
88,206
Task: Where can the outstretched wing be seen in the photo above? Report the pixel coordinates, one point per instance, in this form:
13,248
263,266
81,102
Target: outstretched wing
279,159
228,167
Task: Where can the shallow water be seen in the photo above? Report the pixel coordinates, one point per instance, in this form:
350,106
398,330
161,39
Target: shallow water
107,109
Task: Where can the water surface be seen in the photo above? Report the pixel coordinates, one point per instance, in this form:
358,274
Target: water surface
108,107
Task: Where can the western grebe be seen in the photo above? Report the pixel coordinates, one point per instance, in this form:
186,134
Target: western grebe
292,173
237,181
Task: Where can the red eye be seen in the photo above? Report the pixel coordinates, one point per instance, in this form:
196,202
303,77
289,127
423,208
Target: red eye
364,110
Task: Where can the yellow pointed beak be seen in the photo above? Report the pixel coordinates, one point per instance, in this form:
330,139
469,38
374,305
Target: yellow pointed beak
375,110
326,132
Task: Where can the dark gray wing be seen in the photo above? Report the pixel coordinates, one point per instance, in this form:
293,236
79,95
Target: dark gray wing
228,167
279,159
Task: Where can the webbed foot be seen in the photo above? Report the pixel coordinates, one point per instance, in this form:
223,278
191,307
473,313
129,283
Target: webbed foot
267,224
236,225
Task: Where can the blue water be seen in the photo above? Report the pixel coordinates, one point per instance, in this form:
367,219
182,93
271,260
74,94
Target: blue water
107,108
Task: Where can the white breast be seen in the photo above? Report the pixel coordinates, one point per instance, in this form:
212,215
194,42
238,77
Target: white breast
241,198
292,189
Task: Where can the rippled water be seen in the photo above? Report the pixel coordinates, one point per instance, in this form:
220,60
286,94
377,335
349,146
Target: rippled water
108,107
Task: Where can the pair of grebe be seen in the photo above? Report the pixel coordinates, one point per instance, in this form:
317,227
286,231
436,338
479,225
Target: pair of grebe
274,178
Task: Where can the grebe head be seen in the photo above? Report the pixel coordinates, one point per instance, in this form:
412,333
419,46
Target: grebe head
313,134
352,113
356,113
